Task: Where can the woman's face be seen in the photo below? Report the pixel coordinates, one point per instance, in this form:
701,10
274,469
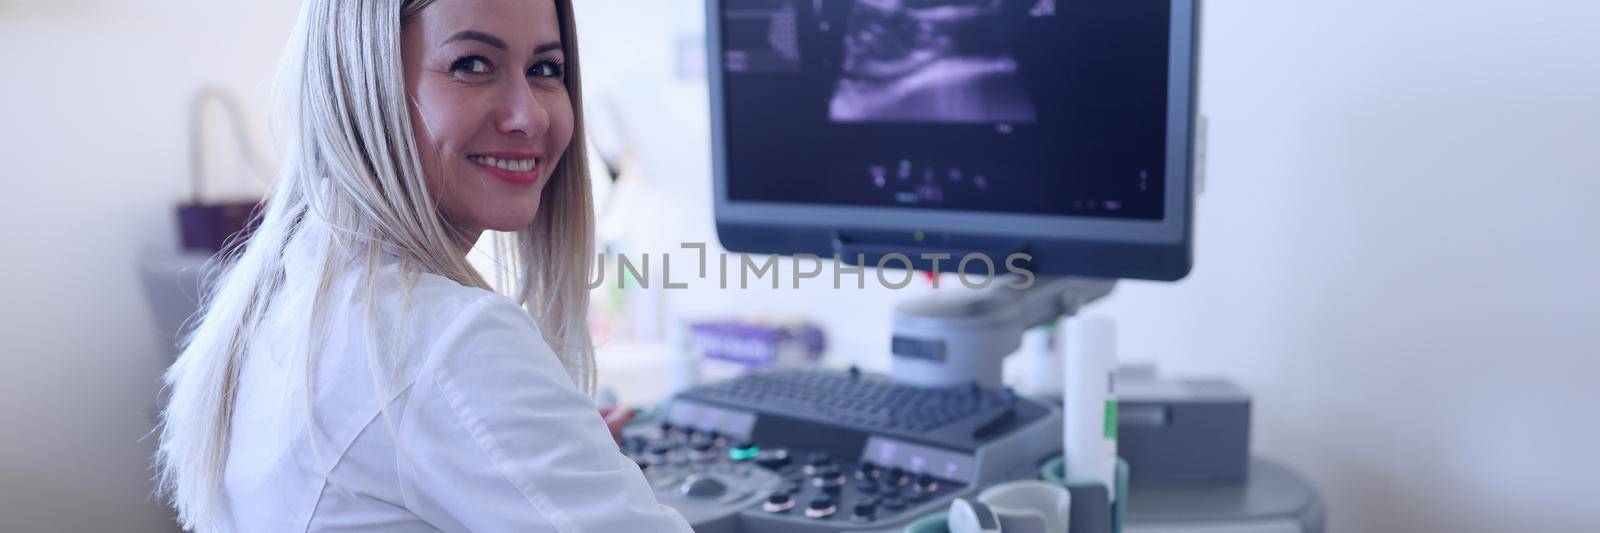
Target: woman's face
489,107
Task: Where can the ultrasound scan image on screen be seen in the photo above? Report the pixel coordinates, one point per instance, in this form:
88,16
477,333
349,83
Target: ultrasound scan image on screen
1017,106
928,61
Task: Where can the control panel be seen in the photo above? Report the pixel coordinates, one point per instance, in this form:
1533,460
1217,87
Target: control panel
748,464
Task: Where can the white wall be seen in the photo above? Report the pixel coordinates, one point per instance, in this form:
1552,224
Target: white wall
1395,252
93,158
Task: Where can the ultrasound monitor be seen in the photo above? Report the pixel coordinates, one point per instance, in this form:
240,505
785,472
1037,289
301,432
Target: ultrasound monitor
1059,129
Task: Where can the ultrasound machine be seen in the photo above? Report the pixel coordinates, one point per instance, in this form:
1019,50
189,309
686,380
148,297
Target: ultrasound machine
1059,136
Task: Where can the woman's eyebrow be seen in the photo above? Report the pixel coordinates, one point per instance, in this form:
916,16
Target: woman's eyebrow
477,36
473,35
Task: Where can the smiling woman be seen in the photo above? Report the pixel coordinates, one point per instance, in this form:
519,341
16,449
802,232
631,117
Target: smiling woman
349,369
494,107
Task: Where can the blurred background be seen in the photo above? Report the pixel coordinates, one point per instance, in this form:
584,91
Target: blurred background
1396,247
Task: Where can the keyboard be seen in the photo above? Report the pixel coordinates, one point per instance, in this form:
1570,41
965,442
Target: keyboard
871,403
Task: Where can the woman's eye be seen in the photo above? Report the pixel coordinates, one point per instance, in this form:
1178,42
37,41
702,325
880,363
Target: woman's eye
545,69
470,66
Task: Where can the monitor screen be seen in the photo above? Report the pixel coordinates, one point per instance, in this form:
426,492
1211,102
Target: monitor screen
1063,131
1040,107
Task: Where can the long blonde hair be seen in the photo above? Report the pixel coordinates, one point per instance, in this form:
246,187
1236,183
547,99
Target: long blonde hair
353,163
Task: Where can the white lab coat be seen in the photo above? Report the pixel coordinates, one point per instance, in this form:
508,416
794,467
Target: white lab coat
485,429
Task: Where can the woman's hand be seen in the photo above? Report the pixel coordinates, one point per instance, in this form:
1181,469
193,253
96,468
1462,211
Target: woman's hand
616,419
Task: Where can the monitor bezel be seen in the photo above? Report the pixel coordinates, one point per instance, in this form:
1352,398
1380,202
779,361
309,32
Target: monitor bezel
1059,245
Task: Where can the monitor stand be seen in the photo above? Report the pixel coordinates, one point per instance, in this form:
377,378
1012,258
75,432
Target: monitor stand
958,337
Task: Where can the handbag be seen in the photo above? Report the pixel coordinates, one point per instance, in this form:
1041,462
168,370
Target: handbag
206,225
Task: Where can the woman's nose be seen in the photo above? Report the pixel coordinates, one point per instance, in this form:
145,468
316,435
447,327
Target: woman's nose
524,114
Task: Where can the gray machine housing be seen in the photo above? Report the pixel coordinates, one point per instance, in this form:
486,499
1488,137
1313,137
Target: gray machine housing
1183,430
1270,499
